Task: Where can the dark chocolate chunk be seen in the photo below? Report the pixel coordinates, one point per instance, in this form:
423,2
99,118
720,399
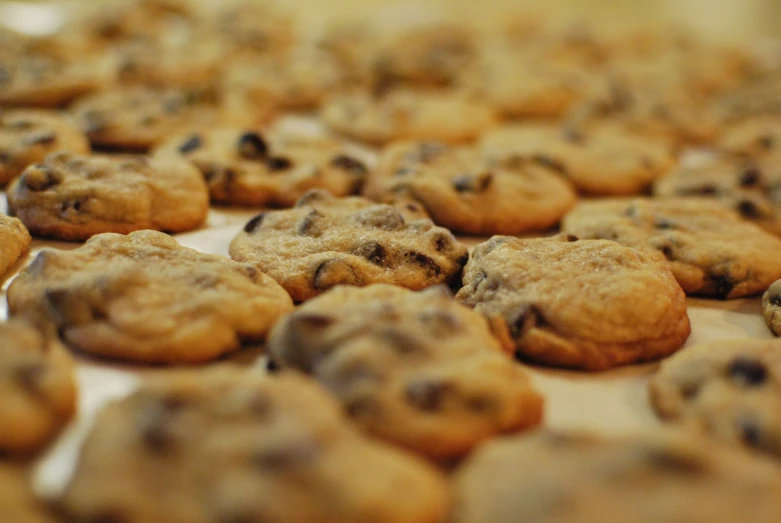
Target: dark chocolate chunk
527,317
156,424
351,165
429,151
315,195
775,300
334,272
382,217
279,163
372,251
254,223
473,183
74,204
572,238
191,144
550,163
766,142
750,433
723,286
699,190
749,209
40,178
429,266
443,242
668,252
251,146
426,395
747,371
272,366
664,223
311,225
749,177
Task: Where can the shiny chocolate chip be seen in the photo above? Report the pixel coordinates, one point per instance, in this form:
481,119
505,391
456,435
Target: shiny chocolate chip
279,163
191,144
351,165
254,223
749,177
429,266
749,209
374,252
722,286
747,371
312,224
252,146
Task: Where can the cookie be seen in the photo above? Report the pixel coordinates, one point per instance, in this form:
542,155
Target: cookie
72,197
17,499
601,160
587,304
710,250
37,385
28,136
731,390
234,445
413,368
406,114
245,166
14,241
137,117
657,477
750,187
326,241
466,192
143,297
771,306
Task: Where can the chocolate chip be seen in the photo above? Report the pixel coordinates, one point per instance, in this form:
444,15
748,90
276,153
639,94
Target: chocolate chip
440,323
191,144
271,366
775,300
664,223
722,286
749,177
156,424
254,223
382,217
750,433
574,136
40,178
429,151
312,224
30,377
40,139
668,252
747,371
404,171
401,341
766,142
749,209
314,195
527,317
349,164
678,462
93,122
279,163
334,272
427,395
572,238
699,190
372,251
251,146
74,204
429,266
550,163
443,242
292,454
473,183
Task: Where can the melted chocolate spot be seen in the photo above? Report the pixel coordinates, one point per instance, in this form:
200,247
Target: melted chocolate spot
309,226
723,286
766,142
192,143
428,396
40,178
748,209
334,272
254,223
473,183
279,163
550,163
429,266
749,177
350,165
251,146
572,238
668,252
775,300
374,252
526,318
75,205
271,366
747,371
750,433
30,377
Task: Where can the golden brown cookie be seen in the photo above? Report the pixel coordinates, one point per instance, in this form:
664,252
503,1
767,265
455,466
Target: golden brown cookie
709,249
771,307
326,241
233,445
143,297
414,368
14,241
589,304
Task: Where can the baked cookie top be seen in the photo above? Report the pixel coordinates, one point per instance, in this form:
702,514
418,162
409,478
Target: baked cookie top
325,241
234,445
729,389
14,241
414,368
72,197
143,297
465,191
601,159
398,114
37,385
582,478
137,117
710,250
28,136
588,304
246,166
749,186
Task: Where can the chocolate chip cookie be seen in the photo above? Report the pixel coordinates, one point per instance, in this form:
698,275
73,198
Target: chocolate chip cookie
145,298
749,186
588,304
408,114
599,160
72,197
771,307
326,241
465,192
414,368
582,478
234,445
37,385
14,241
730,389
28,136
710,250
244,166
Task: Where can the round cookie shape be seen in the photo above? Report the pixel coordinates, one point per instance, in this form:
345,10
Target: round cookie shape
137,117
587,304
37,385
17,499
771,307
750,187
466,192
14,241
234,445
659,477
72,197
406,114
28,136
710,250
600,160
244,166
326,241
728,389
253,29
414,368
145,298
